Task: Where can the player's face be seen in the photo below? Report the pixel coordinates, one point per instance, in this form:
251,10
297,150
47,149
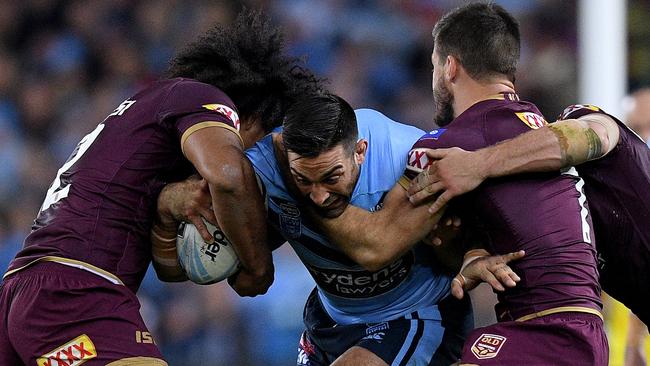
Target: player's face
328,180
442,96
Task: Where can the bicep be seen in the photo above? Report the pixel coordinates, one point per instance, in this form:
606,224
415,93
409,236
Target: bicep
216,153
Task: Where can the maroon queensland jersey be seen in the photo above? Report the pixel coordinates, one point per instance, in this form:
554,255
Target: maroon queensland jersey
100,207
544,214
618,188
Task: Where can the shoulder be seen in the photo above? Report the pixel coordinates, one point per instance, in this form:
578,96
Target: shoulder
192,94
375,126
265,164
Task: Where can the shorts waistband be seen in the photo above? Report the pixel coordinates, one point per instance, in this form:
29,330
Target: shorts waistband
71,263
561,309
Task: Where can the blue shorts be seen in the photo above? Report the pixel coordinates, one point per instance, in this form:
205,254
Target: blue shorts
419,338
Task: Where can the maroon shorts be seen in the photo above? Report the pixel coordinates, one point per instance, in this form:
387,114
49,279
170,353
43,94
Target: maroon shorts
55,315
569,338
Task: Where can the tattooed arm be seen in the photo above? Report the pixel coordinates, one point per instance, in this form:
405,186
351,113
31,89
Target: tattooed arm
559,145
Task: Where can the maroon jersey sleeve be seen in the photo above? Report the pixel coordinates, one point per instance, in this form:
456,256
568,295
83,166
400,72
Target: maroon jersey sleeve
191,106
619,199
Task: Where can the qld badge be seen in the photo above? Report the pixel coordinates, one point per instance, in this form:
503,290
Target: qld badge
488,346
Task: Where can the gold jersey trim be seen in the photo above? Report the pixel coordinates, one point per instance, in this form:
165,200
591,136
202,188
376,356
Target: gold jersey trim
71,263
561,309
206,124
404,182
138,361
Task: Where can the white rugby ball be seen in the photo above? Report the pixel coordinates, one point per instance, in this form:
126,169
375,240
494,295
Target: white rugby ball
205,263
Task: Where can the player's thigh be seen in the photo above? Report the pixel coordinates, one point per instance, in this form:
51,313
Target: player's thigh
8,355
359,356
66,317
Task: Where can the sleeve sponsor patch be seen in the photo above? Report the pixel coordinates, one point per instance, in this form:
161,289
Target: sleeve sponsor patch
532,120
576,107
226,111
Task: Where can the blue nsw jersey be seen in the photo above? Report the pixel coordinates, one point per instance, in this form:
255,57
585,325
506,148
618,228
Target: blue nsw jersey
349,293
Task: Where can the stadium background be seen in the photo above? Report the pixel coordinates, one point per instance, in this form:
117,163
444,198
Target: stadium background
64,65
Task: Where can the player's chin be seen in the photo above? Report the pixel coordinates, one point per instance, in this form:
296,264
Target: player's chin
333,210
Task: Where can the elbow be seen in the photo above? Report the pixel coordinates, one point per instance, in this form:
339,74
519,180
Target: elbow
226,178
374,260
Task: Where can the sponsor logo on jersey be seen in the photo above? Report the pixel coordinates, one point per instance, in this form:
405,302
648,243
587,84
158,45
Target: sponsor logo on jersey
226,111
73,353
290,222
488,346
576,107
362,283
532,120
434,135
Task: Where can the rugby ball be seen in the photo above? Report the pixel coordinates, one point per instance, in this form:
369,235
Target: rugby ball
205,263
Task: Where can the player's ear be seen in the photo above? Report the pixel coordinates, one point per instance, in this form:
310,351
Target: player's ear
360,151
451,68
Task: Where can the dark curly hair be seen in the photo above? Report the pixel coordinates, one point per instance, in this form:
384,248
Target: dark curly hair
247,61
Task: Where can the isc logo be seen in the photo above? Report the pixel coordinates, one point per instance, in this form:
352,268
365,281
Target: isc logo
144,337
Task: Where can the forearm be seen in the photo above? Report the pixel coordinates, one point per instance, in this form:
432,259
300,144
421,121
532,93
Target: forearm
376,239
164,255
240,213
559,145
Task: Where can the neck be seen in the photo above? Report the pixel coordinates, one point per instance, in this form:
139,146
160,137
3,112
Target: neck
474,91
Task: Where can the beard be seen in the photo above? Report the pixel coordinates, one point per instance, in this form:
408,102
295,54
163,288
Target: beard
444,101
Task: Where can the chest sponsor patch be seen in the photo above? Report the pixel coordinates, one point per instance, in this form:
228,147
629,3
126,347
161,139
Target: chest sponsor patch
362,284
226,111
488,346
532,120
73,353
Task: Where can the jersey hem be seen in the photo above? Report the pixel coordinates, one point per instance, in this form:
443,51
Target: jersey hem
71,263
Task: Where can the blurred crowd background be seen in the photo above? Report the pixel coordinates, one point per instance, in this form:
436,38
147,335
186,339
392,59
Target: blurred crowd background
65,65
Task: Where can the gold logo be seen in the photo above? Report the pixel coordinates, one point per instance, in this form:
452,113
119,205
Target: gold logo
226,111
532,120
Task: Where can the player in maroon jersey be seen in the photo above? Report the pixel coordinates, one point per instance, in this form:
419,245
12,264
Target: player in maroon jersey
69,295
613,161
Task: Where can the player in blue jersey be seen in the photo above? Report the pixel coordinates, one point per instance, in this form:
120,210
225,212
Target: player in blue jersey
368,312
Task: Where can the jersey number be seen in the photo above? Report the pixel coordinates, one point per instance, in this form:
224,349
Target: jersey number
582,199
57,190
